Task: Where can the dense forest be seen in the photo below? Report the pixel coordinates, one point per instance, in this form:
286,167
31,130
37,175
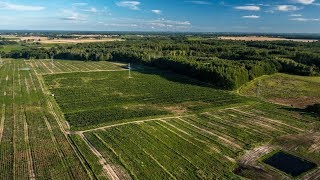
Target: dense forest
223,63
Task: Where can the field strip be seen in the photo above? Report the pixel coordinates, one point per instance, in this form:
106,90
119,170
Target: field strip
29,156
74,67
159,164
51,110
57,67
47,67
179,135
3,111
177,128
33,66
247,127
107,168
206,144
125,165
87,71
27,85
56,144
14,120
132,122
211,133
64,66
268,119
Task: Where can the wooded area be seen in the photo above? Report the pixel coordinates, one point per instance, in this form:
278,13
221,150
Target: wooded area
223,63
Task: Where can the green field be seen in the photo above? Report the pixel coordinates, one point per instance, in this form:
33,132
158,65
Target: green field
97,98
32,144
203,146
297,91
101,124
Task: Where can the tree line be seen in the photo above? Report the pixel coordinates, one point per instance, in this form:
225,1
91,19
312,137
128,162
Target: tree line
225,64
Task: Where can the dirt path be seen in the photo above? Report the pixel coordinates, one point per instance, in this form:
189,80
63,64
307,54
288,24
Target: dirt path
245,126
3,117
63,66
268,119
32,175
227,141
46,67
132,122
107,168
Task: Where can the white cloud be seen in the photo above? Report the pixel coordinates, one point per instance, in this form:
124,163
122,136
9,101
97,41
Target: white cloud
305,19
156,11
171,22
248,8
295,15
199,2
287,8
251,17
92,10
134,5
121,25
72,16
19,7
79,4
306,2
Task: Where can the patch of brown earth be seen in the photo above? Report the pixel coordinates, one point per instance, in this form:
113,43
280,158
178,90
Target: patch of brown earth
178,110
298,102
311,141
248,164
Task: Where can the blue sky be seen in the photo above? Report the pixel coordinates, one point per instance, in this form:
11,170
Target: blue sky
162,15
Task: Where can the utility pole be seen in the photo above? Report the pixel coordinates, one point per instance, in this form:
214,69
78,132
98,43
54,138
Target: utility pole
129,67
258,88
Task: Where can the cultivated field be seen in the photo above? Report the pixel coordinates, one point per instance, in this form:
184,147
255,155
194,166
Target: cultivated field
100,98
291,90
32,145
46,40
262,38
101,124
208,145
65,66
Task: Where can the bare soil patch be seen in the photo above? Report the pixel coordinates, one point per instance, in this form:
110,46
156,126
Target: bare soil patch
298,102
248,164
262,38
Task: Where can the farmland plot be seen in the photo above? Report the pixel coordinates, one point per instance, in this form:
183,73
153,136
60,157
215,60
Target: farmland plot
101,98
67,66
32,146
203,146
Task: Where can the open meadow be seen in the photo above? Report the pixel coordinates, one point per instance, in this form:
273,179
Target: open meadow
92,120
290,90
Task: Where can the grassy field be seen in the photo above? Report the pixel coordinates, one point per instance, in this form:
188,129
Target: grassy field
297,91
155,125
101,98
